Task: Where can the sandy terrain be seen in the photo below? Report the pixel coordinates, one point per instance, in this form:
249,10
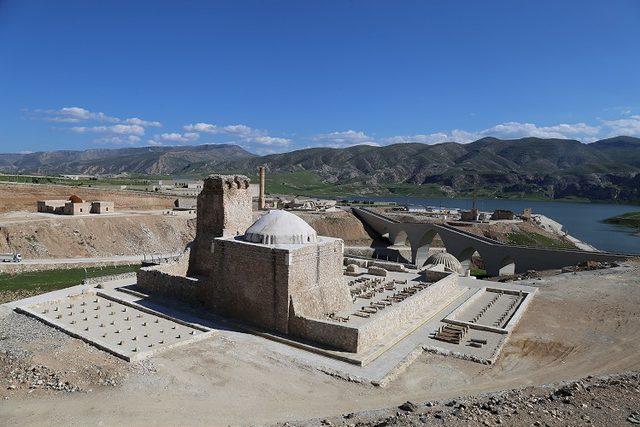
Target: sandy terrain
23,197
578,324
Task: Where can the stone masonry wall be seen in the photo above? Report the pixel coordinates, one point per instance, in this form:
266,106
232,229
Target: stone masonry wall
424,303
224,209
166,285
257,283
245,285
354,339
334,335
316,285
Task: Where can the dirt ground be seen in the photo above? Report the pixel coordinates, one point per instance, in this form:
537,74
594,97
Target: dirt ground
38,236
580,324
341,224
23,197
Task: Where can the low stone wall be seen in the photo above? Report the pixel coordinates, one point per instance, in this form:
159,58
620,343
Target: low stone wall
102,279
335,335
435,275
387,265
424,303
346,337
166,285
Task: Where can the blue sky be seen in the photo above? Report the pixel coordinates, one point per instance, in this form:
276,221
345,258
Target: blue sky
277,75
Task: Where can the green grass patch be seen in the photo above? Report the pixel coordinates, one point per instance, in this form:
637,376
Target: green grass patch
537,240
478,272
51,280
31,179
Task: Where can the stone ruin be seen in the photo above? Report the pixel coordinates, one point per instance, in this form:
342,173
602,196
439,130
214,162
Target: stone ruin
277,277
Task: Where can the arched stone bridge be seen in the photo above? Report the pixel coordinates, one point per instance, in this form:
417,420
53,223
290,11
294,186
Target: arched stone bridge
499,258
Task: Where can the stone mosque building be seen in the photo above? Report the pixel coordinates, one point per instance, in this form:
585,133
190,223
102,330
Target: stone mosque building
277,276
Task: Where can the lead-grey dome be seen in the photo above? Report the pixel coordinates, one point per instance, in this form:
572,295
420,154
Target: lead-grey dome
280,227
446,260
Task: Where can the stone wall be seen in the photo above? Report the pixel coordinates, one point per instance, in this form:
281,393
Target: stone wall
424,303
257,283
224,209
180,288
316,284
71,208
351,338
339,336
170,281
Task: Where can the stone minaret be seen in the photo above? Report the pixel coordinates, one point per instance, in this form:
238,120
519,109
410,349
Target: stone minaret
261,172
224,209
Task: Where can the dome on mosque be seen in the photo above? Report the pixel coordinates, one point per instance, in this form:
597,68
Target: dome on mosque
75,199
446,260
280,227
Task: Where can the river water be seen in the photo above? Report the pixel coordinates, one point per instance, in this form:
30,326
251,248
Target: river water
581,220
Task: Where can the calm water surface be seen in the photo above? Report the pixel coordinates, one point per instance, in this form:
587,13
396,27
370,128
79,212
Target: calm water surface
581,220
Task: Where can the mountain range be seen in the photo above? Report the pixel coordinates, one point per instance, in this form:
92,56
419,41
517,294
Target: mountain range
608,169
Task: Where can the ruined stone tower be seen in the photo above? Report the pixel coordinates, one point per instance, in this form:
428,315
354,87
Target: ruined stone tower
224,210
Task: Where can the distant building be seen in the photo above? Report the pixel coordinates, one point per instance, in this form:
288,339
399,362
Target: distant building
79,177
471,215
102,206
51,206
502,214
74,206
77,208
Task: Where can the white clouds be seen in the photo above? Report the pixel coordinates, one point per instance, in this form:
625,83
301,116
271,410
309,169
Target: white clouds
562,131
271,141
118,140
507,130
140,122
126,130
201,127
629,126
75,115
116,129
244,133
345,138
177,137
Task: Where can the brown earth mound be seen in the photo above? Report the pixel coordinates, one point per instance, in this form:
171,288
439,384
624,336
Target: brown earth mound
97,236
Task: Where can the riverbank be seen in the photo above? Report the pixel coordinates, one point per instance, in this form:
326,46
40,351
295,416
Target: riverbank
582,221
629,219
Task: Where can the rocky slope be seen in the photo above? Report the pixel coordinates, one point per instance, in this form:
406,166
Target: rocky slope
143,160
96,236
602,401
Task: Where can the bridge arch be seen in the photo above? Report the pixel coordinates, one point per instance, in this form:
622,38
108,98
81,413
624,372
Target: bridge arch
420,248
471,259
507,266
400,238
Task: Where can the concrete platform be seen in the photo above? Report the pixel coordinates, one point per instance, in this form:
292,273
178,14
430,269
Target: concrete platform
125,330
